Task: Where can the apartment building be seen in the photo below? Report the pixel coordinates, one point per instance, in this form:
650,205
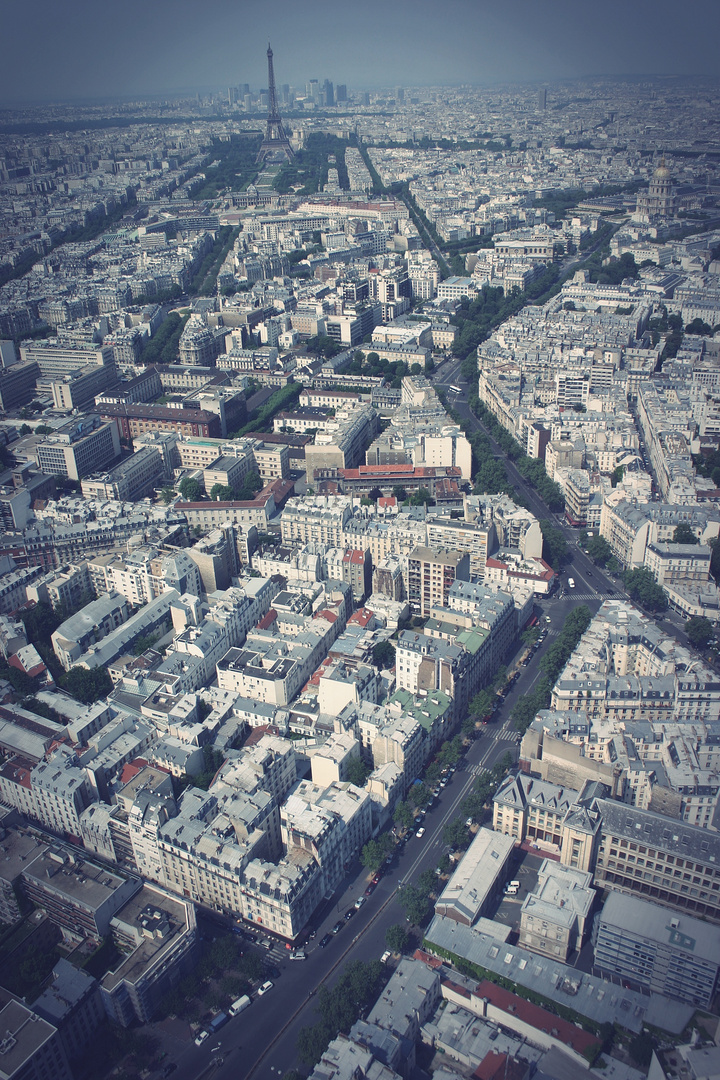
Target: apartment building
331,823
527,808
555,918
132,479
144,574
671,564
342,444
431,574
32,1046
658,858
135,419
91,624
477,881
56,358
282,896
79,388
17,384
78,895
156,936
316,520
638,942
79,448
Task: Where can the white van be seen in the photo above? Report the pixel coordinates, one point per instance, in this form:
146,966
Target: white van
515,884
239,1005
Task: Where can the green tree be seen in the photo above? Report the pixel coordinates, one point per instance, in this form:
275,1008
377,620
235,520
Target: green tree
383,656
167,494
419,795
555,547
403,815
221,492
455,833
684,535
312,1043
641,1049
397,938
250,486
189,488
599,550
481,705
357,771
399,492
87,685
699,631
415,903
422,496
643,589
375,852
25,429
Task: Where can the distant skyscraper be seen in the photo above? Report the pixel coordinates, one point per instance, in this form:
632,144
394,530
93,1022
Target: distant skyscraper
341,92
314,89
399,95
542,99
329,93
366,99
232,95
244,89
285,92
247,102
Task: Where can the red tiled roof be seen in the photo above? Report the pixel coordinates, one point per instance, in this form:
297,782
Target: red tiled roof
267,620
431,961
361,617
354,555
497,1066
131,769
331,616
536,1017
399,471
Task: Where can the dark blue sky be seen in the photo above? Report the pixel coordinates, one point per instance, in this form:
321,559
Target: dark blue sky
88,48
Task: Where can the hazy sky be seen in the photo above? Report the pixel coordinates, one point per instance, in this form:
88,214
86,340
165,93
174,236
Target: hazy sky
91,48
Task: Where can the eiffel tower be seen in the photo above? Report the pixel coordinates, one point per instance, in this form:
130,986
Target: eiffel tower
275,136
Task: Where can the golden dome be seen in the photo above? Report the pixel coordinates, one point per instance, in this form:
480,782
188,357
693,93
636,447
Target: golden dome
662,172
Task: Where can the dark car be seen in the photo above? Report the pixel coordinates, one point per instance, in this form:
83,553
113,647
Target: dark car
589,574
170,1068
337,927
349,914
324,940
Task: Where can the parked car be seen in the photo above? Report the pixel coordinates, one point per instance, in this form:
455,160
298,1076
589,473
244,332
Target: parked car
265,988
360,901
420,833
298,954
201,1037
385,956
324,940
350,913
337,927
